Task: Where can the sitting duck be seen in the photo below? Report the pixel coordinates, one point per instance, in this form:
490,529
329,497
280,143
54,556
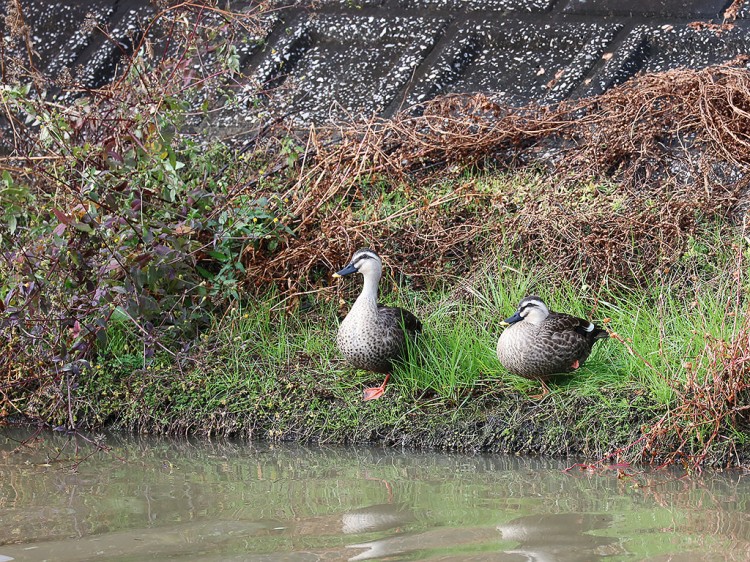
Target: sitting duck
539,343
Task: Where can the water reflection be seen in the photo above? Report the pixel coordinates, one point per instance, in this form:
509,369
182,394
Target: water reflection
167,500
380,517
437,540
560,536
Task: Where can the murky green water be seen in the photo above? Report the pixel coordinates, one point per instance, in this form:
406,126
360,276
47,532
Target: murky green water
163,500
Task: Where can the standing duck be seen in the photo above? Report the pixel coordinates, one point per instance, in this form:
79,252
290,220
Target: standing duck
539,343
373,336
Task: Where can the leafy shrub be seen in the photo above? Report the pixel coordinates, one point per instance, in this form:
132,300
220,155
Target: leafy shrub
114,213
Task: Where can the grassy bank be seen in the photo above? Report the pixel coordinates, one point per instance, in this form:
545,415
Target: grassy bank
261,371
670,385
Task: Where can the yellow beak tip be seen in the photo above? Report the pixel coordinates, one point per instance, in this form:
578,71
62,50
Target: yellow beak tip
336,275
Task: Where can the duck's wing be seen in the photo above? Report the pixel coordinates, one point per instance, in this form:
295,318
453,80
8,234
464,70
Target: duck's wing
576,328
397,316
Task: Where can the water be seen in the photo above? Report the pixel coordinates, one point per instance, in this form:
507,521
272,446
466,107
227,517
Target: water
158,500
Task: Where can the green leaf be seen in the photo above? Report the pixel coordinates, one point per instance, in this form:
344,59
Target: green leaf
83,227
204,272
218,255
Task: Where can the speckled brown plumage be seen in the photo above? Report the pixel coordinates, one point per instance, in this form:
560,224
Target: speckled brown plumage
539,344
373,342
373,336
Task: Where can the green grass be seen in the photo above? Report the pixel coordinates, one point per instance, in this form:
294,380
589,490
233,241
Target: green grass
664,324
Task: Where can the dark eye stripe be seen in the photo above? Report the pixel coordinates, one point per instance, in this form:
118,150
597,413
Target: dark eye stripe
363,257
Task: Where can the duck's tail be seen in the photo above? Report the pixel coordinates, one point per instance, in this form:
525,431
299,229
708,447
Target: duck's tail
599,334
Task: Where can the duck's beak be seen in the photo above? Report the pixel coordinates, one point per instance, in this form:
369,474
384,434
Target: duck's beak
348,270
512,320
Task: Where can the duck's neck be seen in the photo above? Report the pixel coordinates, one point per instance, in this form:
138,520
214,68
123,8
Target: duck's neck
369,296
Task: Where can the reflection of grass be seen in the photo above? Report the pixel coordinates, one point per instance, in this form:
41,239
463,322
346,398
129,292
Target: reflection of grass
261,369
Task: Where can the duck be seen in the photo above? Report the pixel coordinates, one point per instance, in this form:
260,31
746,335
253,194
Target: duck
538,343
373,336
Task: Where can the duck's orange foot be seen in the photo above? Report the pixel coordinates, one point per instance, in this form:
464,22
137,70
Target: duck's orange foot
545,392
375,392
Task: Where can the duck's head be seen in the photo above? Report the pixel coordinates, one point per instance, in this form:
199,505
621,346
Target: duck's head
531,309
364,261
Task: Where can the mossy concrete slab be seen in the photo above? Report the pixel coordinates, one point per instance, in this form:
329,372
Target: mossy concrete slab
342,59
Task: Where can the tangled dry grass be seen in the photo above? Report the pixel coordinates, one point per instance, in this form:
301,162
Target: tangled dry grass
675,146
710,412
712,408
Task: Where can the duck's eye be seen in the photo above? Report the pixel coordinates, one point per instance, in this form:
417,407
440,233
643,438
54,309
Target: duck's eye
526,308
